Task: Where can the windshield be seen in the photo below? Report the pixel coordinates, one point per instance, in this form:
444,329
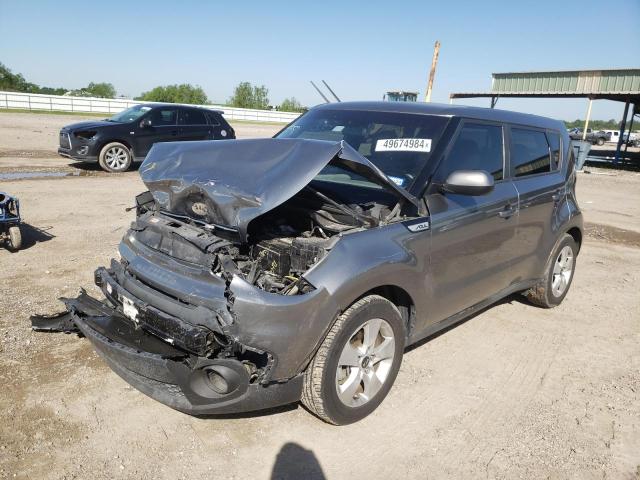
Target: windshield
399,144
130,114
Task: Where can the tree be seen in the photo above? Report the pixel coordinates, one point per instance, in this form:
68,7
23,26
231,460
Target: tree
291,105
247,96
184,93
101,90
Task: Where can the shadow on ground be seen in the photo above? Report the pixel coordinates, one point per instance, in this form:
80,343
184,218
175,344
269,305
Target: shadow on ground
295,462
32,235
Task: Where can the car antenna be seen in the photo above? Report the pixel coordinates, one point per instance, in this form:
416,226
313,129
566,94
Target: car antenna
326,100
332,92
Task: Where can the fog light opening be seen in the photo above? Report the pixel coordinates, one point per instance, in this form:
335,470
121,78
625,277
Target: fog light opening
83,150
217,382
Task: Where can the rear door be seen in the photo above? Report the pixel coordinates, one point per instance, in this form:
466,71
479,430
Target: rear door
193,124
473,237
164,128
535,159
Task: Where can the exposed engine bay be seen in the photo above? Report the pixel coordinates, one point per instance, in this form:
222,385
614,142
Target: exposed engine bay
281,246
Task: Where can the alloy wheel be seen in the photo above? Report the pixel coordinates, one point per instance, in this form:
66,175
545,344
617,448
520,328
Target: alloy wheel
562,271
116,158
365,362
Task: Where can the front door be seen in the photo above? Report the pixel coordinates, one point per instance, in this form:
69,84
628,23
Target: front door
472,237
163,128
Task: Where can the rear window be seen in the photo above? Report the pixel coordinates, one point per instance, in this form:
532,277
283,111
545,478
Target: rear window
214,118
529,152
192,117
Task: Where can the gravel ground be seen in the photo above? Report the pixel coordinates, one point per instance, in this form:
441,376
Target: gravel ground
514,392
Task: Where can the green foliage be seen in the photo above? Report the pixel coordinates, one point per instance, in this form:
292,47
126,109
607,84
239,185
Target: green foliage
100,90
595,124
291,105
183,93
15,82
247,96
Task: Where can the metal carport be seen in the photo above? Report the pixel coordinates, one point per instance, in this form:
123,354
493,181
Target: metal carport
621,85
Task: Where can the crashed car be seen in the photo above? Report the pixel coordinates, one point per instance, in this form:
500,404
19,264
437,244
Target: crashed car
263,272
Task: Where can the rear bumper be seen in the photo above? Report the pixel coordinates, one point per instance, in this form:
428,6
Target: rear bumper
165,373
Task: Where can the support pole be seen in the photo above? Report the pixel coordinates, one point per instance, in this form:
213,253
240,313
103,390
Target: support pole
586,123
494,101
626,144
432,72
623,124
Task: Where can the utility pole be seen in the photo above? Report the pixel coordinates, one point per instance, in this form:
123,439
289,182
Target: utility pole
432,73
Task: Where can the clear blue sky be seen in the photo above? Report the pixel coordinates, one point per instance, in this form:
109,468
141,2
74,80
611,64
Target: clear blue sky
361,48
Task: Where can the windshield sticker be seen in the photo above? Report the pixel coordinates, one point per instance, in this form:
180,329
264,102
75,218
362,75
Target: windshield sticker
397,180
338,128
404,145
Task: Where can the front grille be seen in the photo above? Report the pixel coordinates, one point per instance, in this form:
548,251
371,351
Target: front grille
65,141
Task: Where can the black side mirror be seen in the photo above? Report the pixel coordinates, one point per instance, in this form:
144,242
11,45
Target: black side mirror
146,123
469,182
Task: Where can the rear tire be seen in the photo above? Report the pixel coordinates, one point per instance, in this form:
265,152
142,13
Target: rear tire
115,157
600,141
558,275
357,363
15,238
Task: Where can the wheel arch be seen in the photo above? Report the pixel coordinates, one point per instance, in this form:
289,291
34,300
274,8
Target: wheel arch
127,144
400,298
576,233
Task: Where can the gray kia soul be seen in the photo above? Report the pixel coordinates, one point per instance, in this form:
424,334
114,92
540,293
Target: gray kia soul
263,272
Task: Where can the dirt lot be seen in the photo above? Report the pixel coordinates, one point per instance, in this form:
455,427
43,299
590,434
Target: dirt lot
515,392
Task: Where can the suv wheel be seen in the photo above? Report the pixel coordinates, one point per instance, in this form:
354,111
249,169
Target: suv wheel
600,141
558,275
115,157
357,362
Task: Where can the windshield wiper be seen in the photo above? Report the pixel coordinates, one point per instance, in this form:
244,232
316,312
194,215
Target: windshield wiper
362,219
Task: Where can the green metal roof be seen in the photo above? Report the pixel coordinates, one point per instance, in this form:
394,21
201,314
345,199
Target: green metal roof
617,84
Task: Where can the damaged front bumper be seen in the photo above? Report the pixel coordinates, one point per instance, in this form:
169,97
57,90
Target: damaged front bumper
182,380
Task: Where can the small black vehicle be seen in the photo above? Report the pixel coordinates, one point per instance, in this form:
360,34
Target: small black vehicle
595,138
10,221
116,142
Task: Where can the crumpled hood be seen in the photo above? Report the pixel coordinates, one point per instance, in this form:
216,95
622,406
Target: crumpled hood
229,183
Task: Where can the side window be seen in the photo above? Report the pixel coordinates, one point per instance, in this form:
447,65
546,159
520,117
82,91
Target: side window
213,118
192,117
529,152
163,116
478,147
554,144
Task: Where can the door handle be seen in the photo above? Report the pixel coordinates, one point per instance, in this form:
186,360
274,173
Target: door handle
507,212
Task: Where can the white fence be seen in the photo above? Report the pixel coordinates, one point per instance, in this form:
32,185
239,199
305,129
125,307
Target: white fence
39,102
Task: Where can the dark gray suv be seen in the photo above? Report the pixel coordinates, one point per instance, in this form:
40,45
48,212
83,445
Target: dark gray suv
262,272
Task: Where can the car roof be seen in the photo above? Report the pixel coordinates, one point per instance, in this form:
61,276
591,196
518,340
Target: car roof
441,109
156,105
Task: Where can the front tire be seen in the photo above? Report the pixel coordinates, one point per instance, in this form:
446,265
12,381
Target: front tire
600,141
357,363
15,238
552,289
115,157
